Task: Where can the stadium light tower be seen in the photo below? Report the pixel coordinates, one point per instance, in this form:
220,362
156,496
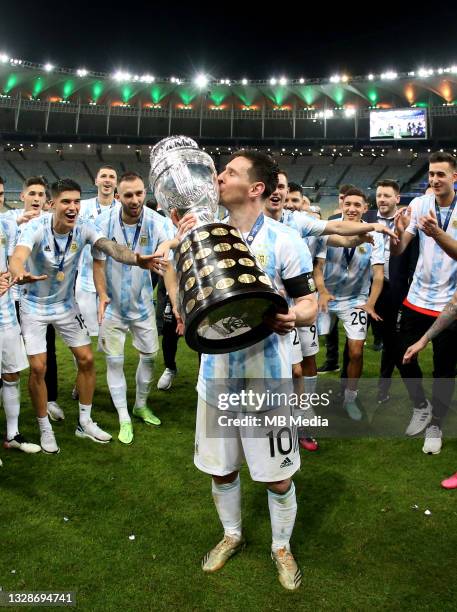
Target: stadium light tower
201,80
81,72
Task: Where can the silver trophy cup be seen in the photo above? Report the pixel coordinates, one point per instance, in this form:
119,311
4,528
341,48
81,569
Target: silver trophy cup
223,292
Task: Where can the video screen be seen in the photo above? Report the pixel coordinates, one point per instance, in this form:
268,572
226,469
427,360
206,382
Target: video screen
399,124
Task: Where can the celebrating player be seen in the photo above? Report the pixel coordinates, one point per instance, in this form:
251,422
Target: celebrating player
247,180
343,278
51,247
127,298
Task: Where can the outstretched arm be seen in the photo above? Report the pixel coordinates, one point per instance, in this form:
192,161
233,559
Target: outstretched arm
124,255
446,318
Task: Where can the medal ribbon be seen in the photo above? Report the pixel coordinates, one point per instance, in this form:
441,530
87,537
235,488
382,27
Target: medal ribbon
255,229
448,216
137,231
348,254
57,250
99,208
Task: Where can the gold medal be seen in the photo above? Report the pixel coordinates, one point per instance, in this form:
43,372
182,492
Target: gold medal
362,249
454,223
60,276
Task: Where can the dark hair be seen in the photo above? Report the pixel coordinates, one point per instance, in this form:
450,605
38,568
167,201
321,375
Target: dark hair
264,169
355,192
439,156
281,171
34,180
345,187
151,203
66,184
295,187
106,167
129,176
2,182
389,183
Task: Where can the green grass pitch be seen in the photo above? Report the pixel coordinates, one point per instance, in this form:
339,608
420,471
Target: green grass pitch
66,519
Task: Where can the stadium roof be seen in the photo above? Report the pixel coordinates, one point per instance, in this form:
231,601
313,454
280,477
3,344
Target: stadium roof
425,87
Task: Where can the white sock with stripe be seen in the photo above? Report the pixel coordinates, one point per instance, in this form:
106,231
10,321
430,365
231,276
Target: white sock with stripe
117,386
227,498
283,510
11,404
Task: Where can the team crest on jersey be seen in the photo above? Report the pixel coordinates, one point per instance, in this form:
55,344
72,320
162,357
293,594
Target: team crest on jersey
74,247
143,240
454,224
2,240
362,249
262,259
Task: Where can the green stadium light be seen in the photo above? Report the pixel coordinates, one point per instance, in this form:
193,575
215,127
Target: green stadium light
11,83
126,93
218,96
373,96
37,87
68,88
97,90
187,95
157,94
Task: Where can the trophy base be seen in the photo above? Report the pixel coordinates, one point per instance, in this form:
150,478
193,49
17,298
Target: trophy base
233,323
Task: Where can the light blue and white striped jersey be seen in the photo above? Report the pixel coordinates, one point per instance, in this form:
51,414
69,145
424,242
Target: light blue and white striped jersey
283,255
51,298
89,210
7,242
306,225
130,287
350,283
435,278
13,215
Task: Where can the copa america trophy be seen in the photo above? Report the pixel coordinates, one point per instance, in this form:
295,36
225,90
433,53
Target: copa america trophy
223,292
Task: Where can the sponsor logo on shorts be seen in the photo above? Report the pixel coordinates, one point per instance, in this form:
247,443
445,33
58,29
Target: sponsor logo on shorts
286,463
313,344
362,329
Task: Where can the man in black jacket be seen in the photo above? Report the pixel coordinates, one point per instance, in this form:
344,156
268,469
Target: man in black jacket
398,272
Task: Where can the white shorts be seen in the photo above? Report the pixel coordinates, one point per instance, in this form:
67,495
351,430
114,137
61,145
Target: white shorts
309,340
296,347
87,304
70,326
355,323
271,456
12,352
111,338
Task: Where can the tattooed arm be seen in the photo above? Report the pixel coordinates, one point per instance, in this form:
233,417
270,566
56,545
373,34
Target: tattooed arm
446,318
124,255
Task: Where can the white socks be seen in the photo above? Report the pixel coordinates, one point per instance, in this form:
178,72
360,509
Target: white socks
283,510
84,413
227,498
44,424
310,383
144,374
11,405
349,396
117,386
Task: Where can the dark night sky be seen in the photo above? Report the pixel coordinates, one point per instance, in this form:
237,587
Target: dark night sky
230,39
